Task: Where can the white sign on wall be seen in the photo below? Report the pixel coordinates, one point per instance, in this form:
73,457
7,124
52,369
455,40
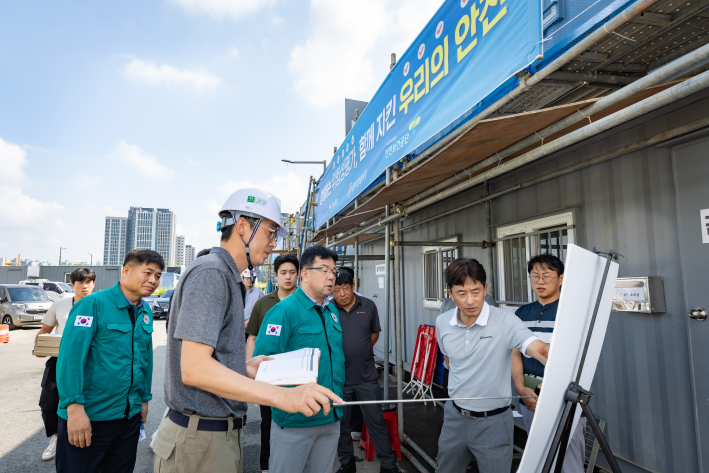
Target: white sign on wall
704,217
379,270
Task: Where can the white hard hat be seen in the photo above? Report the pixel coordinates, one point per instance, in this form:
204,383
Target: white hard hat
253,203
246,273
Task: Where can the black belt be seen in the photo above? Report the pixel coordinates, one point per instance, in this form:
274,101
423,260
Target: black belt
209,425
468,413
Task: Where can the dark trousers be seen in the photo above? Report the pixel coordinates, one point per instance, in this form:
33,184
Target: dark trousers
114,444
356,419
49,398
373,418
265,436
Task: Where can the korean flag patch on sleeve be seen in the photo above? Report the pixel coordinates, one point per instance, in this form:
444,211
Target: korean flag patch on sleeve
83,321
273,330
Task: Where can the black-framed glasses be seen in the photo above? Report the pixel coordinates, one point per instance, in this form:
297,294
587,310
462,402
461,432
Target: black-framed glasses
325,270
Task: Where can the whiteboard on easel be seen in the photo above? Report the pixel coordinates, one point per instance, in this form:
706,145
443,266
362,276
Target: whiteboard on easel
582,280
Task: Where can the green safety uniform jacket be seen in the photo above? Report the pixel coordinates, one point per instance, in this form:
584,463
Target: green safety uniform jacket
105,358
294,323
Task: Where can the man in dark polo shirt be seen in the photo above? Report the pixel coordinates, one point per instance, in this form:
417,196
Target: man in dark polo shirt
285,267
546,273
360,331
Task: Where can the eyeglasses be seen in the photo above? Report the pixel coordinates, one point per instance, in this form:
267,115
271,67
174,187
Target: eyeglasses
325,270
546,278
274,234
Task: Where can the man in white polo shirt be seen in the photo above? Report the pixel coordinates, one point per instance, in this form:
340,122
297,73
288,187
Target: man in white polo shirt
477,342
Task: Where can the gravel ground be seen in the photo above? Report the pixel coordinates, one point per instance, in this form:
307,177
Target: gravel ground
23,438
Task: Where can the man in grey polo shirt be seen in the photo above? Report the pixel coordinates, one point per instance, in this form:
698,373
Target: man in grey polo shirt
208,380
477,342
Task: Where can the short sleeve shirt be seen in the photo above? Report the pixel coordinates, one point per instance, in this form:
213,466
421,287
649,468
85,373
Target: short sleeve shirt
540,319
358,325
480,356
57,314
251,298
207,307
261,308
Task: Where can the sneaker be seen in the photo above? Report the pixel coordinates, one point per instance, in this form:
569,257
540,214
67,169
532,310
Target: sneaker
389,470
351,467
356,435
51,450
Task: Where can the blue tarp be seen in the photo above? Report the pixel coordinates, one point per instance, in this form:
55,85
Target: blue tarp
465,56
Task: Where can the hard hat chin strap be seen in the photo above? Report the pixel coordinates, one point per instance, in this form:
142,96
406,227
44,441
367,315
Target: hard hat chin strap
246,244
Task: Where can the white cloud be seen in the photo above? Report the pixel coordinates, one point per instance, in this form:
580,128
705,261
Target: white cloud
277,21
289,188
220,9
148,73
234,54
338,61
16,208
137,158
84,181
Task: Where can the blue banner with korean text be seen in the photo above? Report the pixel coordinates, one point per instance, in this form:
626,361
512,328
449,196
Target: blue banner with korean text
467,50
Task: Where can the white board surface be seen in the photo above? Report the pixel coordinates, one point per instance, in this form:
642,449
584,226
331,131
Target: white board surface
582,279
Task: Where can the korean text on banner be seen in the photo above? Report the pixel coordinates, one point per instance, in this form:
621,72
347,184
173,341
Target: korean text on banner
467,50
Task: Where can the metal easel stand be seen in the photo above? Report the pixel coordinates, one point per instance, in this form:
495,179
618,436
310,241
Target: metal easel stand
576,395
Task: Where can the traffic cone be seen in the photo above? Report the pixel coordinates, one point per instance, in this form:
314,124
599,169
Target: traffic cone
4,333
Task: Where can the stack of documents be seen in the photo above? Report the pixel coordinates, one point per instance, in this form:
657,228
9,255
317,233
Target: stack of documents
291,369
47,345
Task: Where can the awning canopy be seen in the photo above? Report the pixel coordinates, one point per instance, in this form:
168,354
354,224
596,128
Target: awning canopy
484,140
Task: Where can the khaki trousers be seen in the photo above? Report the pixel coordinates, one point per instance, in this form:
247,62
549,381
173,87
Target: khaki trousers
188,450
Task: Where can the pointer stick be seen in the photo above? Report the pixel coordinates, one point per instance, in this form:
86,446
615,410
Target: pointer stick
401,401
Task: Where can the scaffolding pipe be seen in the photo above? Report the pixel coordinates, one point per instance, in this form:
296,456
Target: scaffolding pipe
474,244
387,305
488,231
356,262
526,83
398,329
668,96
417,464
305,220
654,78
420,451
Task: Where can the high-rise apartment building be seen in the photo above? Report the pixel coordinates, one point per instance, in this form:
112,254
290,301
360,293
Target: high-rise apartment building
179,250
152,229
114,241
189,254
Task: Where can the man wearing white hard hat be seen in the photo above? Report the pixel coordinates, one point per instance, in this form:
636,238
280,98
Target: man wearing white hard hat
207,380
253,294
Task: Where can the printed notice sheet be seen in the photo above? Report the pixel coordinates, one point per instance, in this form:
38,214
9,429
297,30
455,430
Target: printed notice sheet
291,369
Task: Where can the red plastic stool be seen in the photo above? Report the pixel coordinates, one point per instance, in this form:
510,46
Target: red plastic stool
393,426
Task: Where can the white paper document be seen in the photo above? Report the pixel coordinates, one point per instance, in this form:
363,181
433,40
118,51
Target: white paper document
291,369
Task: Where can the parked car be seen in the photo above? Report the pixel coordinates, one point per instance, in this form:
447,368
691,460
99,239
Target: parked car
22,305
57,290
160,304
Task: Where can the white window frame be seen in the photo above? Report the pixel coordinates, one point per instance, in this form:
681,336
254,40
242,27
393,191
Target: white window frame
436,303
565,218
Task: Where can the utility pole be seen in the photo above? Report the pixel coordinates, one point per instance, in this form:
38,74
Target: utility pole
60,255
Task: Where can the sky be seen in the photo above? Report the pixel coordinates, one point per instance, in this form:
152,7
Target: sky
175,104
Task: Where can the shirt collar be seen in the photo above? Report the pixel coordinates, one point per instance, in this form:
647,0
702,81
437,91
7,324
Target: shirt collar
228,259
324,304
481,320
119,297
